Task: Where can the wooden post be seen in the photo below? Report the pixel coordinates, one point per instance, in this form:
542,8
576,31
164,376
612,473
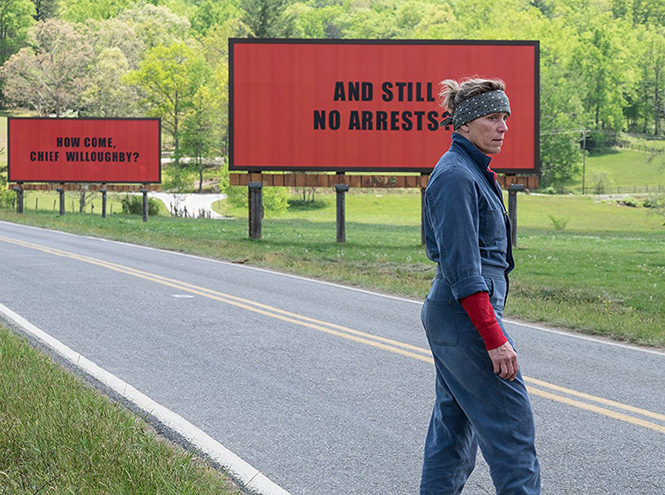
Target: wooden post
341,190
513,189
255,209
144,190
61,193
103,191
19,198
423,205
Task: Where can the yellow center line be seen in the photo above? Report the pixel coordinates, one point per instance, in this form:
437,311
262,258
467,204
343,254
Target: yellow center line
600,400
599,410
386,344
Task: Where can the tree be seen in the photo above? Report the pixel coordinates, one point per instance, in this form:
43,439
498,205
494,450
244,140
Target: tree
200,132
82,10
51,74
599,58
656,201
216,41
647,104
169,77
16,16
45,9
118,50
266,18
210,13
115,33
328,21
156,24
107,94
560,155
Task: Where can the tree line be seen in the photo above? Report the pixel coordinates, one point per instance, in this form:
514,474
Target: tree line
602,62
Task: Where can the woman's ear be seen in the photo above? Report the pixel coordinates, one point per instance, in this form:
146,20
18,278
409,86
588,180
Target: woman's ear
464,128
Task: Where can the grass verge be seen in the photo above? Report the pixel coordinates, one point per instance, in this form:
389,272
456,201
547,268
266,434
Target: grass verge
59,436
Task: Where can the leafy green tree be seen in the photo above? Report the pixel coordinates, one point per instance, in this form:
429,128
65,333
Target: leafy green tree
16,16
118,50
198,136
600,60
82,10
169,77
560,156
639,12
50,74
210,13
437,22
107,94
45,9
216,41
115,33
329,21
373,24
645,107
205,122
266,18
156,24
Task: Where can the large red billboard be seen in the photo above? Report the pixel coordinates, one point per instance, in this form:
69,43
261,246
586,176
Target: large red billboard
84,150
350,105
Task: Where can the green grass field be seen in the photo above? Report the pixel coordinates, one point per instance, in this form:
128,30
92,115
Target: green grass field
58,437
625,169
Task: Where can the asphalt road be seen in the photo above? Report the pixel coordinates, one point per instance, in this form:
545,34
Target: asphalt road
324,389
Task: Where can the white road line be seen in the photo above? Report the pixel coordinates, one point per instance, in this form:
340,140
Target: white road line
252,481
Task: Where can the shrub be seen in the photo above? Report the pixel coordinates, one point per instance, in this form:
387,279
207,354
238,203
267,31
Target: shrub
133,205
7,198
559,223
632,202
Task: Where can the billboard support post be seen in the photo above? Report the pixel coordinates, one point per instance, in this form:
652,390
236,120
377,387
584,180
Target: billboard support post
255,209
61,194
144,191
422,210
513,189
103,191
341,190
19,198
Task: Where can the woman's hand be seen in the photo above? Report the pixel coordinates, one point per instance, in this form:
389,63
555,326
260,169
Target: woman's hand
505,362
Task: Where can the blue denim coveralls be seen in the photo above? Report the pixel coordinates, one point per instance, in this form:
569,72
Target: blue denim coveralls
467,235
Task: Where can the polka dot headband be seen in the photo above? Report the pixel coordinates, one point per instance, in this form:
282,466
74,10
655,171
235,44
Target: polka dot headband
478,106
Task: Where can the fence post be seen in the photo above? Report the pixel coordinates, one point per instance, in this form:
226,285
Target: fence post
103,191
341,190
255,209
512,210
19,198
61,194
144,191
424,178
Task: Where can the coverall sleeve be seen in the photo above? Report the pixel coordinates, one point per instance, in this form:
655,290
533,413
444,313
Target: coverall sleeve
452,209
453,213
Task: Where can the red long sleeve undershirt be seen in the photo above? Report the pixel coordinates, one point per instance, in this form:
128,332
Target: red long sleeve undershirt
480,310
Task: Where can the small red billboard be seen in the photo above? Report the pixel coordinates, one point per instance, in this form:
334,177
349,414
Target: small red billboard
350,105
84,150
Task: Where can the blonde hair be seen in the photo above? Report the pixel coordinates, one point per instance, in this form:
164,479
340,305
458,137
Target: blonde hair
453,93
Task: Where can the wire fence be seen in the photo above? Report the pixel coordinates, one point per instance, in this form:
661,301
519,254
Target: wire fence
594,189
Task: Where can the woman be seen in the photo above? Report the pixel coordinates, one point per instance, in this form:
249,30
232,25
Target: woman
481,399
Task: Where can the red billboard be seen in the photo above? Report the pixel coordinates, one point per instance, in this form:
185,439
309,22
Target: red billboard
84,150
349,105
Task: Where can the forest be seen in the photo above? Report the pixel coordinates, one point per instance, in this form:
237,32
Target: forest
602,62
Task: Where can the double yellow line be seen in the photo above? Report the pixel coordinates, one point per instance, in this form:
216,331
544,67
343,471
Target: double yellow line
581,400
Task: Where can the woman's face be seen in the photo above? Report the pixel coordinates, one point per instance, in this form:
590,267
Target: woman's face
487,132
